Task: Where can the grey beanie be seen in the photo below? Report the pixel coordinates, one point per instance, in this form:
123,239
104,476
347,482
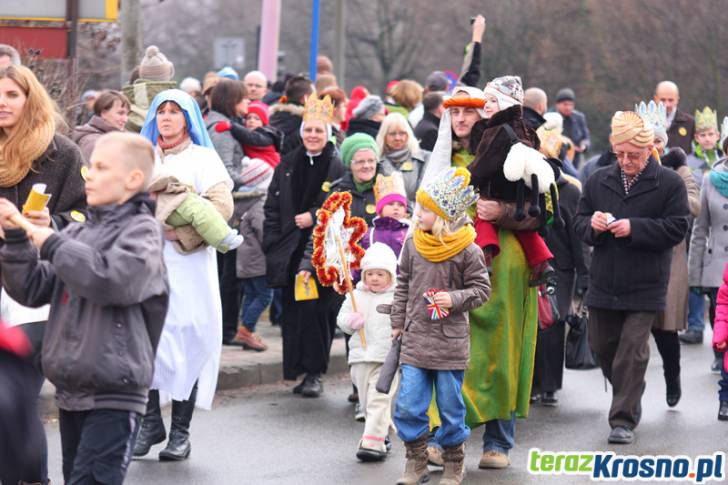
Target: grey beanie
368,107
155,66
437,81
565,94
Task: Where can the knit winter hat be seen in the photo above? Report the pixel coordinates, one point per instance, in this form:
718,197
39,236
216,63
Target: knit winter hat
190,85
261,109
368,107
389,188
155,66
656,116
437,81
380,256
565,94
256,174
628,126
449,195
229,73
508,90
354,143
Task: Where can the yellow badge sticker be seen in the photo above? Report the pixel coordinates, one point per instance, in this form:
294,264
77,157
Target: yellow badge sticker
326,186
407,167
682,131
84,172
78,216
371,209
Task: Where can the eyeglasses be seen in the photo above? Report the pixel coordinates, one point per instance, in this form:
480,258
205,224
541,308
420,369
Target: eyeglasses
366,161
632,156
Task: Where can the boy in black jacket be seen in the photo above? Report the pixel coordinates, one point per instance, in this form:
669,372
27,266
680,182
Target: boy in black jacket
107,286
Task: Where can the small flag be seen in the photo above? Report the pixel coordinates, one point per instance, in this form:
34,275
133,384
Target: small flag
435,311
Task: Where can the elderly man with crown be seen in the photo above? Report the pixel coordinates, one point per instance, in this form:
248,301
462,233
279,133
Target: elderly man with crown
301,183
633,213
497,382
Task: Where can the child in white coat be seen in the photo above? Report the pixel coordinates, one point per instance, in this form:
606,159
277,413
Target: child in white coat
379,270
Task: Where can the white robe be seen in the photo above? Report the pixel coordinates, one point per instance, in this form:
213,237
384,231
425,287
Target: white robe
191,341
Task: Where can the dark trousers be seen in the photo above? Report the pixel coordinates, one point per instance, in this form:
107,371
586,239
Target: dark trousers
723,383
620,340
256,298
230,294
668,344
97,445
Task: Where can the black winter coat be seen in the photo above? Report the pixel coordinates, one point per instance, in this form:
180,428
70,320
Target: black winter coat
370,127
287,119
283,241
681,132
60,169
564,243
632,273
426,131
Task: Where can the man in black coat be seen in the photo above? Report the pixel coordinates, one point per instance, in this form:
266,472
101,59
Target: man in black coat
681,126
287,115
633,213
426,129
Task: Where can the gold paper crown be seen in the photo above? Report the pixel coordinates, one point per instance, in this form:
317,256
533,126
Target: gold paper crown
388,185
706,120
318,109
449,195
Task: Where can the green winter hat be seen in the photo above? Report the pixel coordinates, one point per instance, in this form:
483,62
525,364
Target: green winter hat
354,143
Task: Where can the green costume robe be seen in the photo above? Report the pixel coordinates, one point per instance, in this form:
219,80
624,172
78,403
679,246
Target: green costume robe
502,337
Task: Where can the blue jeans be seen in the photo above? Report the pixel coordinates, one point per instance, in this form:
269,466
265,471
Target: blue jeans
696,312
415,394
500,434
256,297
723,383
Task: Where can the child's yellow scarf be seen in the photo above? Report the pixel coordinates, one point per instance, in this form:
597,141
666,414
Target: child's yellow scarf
438,249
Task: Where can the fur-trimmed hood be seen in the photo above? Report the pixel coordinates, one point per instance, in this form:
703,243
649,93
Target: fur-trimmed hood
294,109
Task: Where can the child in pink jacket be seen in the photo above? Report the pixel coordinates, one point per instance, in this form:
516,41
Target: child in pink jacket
720,342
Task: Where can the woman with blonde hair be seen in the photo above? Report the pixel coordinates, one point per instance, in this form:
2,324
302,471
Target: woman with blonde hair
406,94
401,152
32,152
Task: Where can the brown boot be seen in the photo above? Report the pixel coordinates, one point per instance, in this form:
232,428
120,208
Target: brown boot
415,470
249,340
453,470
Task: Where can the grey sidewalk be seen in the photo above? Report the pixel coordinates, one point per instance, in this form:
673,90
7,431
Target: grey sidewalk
240,368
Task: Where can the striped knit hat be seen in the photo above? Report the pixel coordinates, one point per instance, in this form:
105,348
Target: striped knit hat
256,174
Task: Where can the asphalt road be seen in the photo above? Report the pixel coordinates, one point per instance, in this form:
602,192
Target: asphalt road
269,436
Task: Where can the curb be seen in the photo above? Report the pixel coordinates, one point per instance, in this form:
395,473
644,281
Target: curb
230,377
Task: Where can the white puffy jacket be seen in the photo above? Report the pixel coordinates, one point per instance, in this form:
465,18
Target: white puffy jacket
377,327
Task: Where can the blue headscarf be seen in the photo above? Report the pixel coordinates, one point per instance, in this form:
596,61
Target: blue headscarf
195,123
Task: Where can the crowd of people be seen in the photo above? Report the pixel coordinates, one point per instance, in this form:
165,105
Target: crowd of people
179,214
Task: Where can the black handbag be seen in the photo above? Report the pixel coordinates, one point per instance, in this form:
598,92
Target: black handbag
390,367
579,354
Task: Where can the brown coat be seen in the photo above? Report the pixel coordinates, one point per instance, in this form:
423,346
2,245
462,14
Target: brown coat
676,307
438,344
87,135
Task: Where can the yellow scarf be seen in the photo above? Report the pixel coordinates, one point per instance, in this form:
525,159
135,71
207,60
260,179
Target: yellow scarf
436,249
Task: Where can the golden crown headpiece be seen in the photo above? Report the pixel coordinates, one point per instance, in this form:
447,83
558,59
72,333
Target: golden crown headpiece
706,120
318,109
389,184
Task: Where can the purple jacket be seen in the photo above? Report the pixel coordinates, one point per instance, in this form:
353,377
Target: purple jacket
384,230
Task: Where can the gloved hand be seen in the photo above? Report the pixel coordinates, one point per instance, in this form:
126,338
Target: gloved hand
356,320
222,126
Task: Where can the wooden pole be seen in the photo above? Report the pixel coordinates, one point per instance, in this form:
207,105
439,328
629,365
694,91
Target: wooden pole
347,278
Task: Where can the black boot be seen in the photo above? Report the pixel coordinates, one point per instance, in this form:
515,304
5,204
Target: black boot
178,447
312,386
152,429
